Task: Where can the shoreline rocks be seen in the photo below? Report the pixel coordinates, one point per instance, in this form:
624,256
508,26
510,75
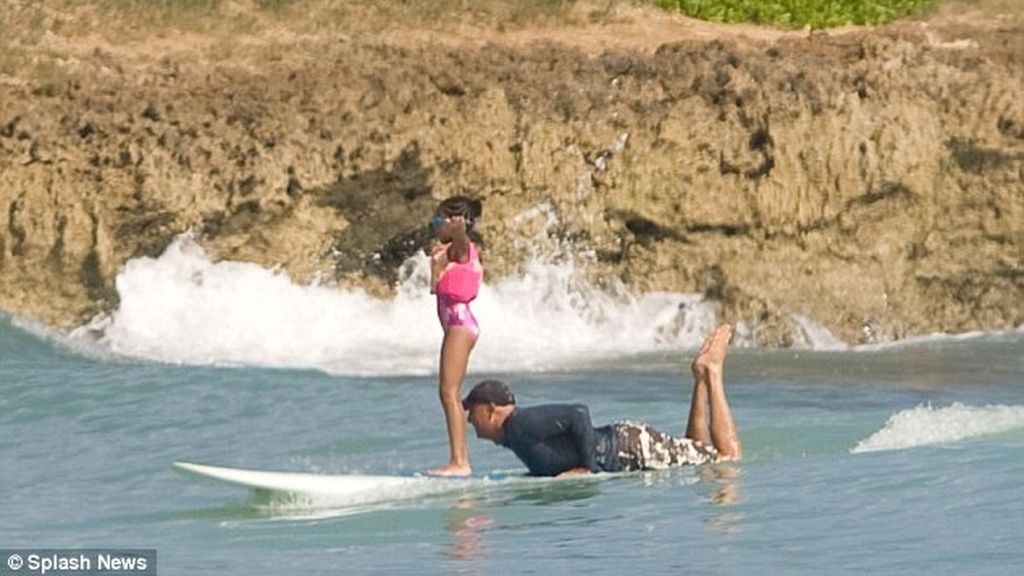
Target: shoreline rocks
872,181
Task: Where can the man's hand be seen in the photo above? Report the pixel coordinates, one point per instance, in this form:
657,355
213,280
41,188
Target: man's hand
573,472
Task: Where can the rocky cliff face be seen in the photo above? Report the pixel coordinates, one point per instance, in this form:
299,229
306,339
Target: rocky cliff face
870,180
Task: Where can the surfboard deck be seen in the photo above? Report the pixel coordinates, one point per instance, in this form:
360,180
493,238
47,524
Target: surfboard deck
303,491
320,484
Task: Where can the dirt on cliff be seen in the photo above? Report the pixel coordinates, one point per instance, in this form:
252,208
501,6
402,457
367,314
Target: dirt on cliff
869,179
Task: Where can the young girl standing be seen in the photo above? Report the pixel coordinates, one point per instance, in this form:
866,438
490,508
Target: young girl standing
455,277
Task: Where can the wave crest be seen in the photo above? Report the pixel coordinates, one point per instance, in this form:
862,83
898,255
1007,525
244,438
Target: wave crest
184,308
925,425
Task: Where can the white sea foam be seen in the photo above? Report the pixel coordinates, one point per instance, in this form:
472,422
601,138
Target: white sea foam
812,335
83,346
925,425
936,338
184,308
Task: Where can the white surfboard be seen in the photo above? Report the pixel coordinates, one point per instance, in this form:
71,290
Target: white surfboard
306,491
298,482
332,488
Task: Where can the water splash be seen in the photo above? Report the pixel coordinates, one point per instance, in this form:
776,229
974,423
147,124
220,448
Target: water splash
184,308
814,336
925,425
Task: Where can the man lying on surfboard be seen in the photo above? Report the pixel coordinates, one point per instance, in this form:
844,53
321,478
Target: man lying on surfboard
559,439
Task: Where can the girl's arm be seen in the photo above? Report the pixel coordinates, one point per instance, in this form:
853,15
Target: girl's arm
458,251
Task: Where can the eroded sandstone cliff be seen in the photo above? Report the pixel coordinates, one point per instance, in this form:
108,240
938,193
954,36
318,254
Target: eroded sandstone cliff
872,180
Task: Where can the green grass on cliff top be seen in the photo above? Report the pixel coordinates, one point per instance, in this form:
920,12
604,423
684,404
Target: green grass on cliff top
799,13
784,13
24,23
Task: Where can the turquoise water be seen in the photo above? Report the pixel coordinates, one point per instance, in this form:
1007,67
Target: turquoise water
87,442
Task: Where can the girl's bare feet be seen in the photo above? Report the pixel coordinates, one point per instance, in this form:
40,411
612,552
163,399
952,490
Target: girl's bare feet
450,470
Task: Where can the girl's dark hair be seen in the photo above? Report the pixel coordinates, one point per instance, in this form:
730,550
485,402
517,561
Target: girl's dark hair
469,208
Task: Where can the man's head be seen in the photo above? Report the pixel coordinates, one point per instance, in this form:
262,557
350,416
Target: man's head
487,406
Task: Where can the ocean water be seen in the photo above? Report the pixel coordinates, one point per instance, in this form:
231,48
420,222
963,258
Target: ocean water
896,459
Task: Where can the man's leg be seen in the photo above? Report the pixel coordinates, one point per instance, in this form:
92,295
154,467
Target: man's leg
708,375
697,424
641,447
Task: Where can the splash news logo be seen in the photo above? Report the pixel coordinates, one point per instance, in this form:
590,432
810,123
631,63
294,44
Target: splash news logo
55,562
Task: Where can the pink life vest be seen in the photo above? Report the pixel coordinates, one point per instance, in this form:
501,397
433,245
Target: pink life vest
460,281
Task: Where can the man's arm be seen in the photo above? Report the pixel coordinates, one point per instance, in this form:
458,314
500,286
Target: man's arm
574,472
556,438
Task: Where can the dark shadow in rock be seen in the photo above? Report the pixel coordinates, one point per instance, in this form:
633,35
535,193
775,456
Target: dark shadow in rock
886,191
647,231
973,158
387,209
150,228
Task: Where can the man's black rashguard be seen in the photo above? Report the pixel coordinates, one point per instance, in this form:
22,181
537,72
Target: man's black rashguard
553,438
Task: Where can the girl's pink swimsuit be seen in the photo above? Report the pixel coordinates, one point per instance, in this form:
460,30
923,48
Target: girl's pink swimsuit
458,286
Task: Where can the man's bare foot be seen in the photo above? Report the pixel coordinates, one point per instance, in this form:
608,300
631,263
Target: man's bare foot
711,356
450,470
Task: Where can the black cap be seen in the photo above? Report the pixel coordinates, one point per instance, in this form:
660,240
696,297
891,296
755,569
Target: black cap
489,392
